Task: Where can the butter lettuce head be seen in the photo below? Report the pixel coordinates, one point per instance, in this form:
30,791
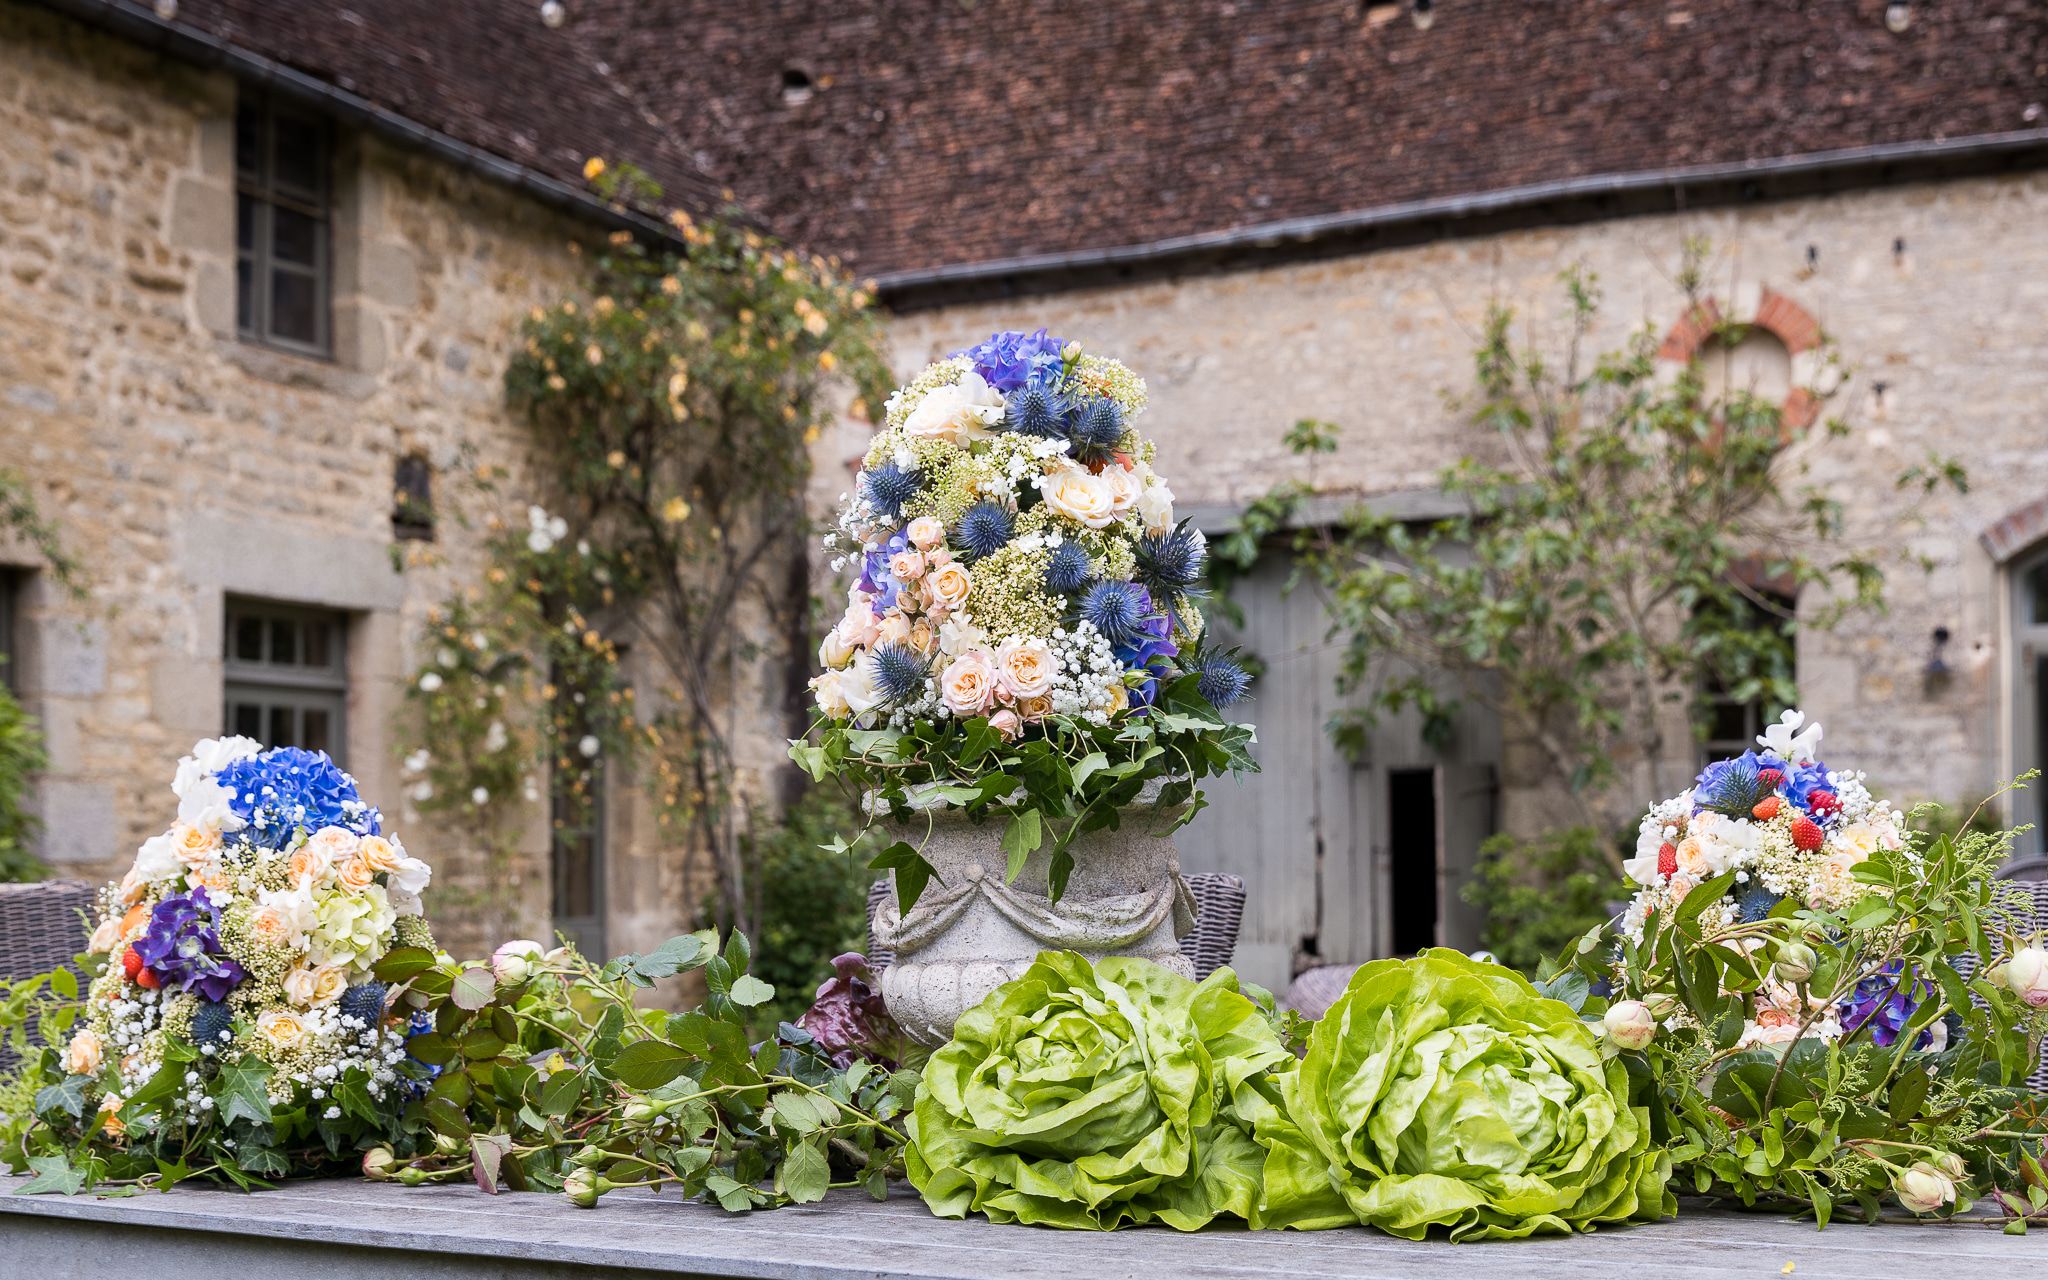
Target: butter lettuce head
1445,1092
1090,1096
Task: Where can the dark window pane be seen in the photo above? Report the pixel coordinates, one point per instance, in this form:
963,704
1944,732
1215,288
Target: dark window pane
314,734
294,237
246,720
284,642
2037,591
300,155
313,635
248,639
245,296
246,211
1730,722
294,307
281,734
249,141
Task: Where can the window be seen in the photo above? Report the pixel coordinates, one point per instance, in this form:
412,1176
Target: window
577,853
1733,714
2030,693
10,608
412,500
286,675
282,232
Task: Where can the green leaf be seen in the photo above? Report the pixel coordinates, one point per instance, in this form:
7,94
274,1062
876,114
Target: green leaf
733,1197
750,992
53,1174
558,1096
472,988
795,1111
1090,764
66,1096
239,1094
648,1064
1021,838
806,1175
400,964
64,983
487,1151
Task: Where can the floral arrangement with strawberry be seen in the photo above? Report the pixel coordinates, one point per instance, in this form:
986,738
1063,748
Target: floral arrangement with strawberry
236,1020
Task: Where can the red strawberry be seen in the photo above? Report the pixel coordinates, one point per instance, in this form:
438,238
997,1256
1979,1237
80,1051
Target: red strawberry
1667,859
1770,777
1806,834
1823,802
131,963
1766,808
148,980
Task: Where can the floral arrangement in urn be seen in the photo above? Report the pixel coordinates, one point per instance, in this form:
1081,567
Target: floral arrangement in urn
236,1016
1024,634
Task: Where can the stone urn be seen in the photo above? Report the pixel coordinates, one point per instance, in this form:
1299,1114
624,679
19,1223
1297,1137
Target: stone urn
970,932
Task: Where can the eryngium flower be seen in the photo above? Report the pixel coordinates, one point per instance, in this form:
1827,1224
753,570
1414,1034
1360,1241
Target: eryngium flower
1171,562
213,1021
182,947
984,529
1082,1096
1097,427
1069,569
1117,610
900,671
1036,411
364,1001
889,486
1445,1092
1221,681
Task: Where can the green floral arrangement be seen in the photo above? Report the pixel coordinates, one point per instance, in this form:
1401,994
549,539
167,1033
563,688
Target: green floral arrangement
1443,1092
1092,1096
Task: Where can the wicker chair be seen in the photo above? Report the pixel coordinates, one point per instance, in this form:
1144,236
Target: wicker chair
41,927
1219,910
2027,880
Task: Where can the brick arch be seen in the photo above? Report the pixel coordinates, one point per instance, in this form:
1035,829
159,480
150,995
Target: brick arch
2019,530
1774,313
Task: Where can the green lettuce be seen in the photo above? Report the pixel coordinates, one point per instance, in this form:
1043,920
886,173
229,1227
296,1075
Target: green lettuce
1090,1096
1446,1092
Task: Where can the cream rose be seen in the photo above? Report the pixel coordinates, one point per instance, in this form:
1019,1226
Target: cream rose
1080,496
195,845
963,411
1034,709
283,917
1025,667
859,624
857,685
311,863
379,854
831,699
836,651
906,566
1124,488
355,874
337,842
105,937
969,683
948,585
311,986
895,629
83,1055
925,533
281,1027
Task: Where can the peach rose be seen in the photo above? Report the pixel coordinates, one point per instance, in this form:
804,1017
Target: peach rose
273,926
1079,496
948,586
106,937
215,879
859,625
83,1055
895,629
137,916
1025,667
195,845
925,533
1034,709
311,862
906,566
379,854
969,683
133,886
355,875
921,637
1006,723
111,1123
337,842
310,987
281,1027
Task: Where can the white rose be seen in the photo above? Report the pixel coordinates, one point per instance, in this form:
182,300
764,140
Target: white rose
1155,506
157,859
410,876
859,688
965,410
957,636
830,696
1080,496
836,651
1629,1023
1124,488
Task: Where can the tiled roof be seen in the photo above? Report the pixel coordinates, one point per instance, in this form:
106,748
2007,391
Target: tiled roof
943,132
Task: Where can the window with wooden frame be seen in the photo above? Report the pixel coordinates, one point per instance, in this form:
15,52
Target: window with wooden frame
286,675
283,227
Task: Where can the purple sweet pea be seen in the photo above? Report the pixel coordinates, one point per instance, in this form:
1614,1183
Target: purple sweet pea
1010,359
182,947
1884,1001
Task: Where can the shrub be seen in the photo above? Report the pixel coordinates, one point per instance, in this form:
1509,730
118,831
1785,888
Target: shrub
1541,894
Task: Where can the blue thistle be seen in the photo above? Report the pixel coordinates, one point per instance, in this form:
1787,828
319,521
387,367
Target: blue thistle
1097,429
1729,787
889,486
1755,903
1036,411
1070,569
213,1018
900,671
1171,562
1117,610
1220,680
364,1001
984,529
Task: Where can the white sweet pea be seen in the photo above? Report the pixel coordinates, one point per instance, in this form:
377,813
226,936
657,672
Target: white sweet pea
965,410
1789,741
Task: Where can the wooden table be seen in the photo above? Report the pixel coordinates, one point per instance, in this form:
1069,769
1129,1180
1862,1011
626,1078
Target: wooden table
353,1230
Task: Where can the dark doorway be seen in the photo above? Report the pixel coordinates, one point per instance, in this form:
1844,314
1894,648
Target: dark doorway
1412,855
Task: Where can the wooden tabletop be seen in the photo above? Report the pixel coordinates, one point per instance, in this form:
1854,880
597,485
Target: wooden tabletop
354,1230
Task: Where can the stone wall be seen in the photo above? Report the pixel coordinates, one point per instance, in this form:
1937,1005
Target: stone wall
184,465
1926,289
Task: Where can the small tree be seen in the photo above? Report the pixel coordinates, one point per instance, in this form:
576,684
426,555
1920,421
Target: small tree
673,407
1591,582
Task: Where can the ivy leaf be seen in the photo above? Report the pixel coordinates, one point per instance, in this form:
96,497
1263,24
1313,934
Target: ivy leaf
805,1174
1021,838
53,1174
67,1096
239,1091
1090,764
912,872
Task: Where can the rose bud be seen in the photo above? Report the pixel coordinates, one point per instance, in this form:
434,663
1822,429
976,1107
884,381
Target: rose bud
1923,1188
1629,1024
583,1187
2027,974
515,962
377,1164
1795,963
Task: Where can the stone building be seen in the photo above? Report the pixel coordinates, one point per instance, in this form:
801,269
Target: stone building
1273,211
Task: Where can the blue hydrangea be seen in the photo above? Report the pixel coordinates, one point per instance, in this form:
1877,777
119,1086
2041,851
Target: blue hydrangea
288,789
875,578
1012,359
1885,1001
1801,782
